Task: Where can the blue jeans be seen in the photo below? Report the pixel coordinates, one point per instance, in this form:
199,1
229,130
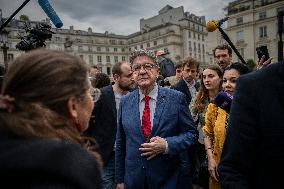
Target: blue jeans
108,179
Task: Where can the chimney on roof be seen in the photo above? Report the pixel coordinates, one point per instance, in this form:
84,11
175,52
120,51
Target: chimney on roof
90,30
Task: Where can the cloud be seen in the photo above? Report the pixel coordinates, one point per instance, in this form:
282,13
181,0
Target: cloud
120,17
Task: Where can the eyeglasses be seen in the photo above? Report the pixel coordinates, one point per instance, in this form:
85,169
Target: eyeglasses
147,66
95,93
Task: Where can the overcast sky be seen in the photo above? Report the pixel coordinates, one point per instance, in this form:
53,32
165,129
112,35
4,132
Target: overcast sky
116,16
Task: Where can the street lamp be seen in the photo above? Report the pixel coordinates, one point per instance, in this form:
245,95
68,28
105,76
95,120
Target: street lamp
4,46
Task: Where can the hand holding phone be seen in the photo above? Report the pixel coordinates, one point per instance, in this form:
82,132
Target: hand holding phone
262,51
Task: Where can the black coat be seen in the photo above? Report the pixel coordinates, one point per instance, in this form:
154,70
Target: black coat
253,152
182,87
103,125
44,163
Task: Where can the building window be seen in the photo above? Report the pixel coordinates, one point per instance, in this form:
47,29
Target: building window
198,37
115,49
155,43
203,48
98,49
262,15
108,70
189,46
194,35
129,49
165,40
194,46
107,58
107,49
199,47
141,46
189,34
148,44
123,50
239,20
115,59
123,58
240,36
91,59
80,48
99,58
242,53
262,31
112,41
202,37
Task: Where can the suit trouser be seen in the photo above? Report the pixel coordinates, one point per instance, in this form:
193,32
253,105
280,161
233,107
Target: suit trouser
108,176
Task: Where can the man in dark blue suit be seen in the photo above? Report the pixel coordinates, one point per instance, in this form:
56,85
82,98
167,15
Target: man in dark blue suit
154,127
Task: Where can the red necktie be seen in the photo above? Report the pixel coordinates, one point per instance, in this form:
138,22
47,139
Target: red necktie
146,123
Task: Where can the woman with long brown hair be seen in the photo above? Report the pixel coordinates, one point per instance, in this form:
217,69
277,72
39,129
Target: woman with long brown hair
45,104
211,78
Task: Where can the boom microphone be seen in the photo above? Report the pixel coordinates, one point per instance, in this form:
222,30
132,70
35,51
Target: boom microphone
50,13
212,25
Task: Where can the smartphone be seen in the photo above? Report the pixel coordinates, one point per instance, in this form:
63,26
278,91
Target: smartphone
262,50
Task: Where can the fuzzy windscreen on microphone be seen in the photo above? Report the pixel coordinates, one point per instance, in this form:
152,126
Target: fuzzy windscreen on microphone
212,25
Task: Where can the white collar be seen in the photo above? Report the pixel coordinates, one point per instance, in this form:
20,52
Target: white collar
153,94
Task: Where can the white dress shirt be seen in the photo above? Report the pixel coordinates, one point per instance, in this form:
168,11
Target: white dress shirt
152,103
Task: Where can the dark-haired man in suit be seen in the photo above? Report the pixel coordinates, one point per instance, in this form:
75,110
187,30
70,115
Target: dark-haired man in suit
104,122
187,84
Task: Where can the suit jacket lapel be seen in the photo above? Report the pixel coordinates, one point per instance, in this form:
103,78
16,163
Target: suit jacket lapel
184,85
136,117
160,104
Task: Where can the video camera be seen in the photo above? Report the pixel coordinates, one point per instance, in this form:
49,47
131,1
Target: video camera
36,37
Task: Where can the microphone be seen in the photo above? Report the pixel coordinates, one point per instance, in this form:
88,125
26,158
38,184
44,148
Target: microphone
49,11
212,25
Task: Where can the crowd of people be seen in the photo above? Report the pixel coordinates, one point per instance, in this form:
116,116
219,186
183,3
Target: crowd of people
154,124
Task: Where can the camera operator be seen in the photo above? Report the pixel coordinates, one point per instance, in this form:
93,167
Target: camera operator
36,37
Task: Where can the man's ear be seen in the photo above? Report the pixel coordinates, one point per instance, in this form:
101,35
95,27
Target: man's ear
115,77
72,107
